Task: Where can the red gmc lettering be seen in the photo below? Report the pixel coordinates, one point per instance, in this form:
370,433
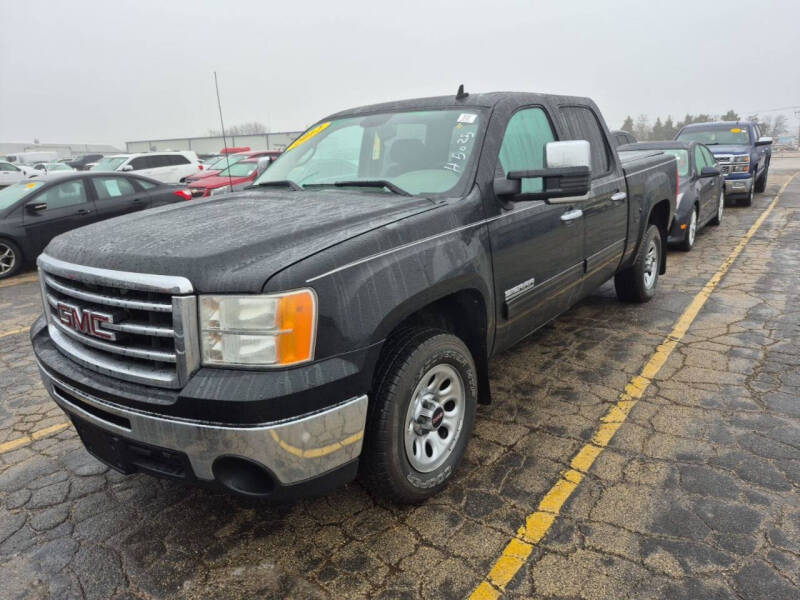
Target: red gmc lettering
85,321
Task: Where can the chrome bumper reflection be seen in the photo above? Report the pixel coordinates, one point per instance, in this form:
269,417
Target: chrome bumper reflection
293,450
738,186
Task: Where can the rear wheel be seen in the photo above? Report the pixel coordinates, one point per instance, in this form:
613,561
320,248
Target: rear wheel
638,282
720,208
691,232
420,417
10,259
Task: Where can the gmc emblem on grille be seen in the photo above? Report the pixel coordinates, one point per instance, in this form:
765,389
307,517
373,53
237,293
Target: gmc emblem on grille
85,321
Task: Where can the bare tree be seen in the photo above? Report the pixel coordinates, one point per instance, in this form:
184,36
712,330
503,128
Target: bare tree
642,128
249,128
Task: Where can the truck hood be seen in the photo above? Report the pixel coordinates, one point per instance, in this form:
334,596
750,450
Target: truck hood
730,149
233,243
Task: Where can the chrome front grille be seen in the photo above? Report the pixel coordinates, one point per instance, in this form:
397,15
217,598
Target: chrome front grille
136,327
724,161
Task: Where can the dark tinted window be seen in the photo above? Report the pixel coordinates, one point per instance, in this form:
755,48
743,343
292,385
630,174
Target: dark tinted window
582,124
142,162
177,159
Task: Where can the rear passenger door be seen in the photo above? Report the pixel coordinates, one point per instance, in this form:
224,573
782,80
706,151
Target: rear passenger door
116,195
536,247
605,210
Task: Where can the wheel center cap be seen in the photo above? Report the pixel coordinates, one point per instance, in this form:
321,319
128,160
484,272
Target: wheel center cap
437,418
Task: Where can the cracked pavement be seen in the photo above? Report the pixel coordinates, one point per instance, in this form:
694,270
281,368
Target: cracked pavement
696,497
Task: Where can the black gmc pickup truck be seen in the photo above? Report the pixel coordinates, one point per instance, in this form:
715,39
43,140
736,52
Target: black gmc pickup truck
337,317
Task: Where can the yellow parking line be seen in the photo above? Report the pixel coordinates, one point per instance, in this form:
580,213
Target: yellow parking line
13,332
27,439
19,280
538,523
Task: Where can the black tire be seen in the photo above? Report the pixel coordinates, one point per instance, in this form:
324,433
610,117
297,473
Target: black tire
630,284
385,468
748,200
9,268
720,209
761,182
689,238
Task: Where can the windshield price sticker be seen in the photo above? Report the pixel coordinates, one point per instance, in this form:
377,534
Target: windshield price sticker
736,130
467,118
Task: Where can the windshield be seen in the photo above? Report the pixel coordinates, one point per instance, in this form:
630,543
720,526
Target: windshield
422,152
57,167
683,160
240,169
222,162
109,164
12,193
717,135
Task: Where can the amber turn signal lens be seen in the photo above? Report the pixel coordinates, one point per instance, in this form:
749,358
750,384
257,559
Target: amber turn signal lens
296,320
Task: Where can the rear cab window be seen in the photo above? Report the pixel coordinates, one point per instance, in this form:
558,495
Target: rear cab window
582,124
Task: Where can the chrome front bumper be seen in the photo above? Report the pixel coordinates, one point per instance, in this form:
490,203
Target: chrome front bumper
738,186
294,450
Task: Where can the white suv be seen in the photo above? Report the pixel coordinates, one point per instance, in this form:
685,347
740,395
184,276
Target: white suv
169,167
10,174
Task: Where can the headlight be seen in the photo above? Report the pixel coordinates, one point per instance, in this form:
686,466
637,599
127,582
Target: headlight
740,168
264,330
222,190
743,158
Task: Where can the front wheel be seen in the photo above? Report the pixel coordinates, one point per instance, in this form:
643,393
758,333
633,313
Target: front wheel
691,232
420,417
720,208
748,201
10,259
761,182
638,282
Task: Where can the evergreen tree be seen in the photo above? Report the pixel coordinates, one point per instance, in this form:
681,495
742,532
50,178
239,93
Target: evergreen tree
669,128
628,124
658,130
731,115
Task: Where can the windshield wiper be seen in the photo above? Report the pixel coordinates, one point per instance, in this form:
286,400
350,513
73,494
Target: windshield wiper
384,183
711,143
296,187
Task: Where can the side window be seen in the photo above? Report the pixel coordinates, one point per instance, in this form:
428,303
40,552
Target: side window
64,194
582,124
699,160
710,160
112,187
144,184
177,159
141,162
527,132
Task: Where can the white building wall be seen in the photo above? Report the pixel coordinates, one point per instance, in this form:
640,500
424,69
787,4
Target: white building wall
213,144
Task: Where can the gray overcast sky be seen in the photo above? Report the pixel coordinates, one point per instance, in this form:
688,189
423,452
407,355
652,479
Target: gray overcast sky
111,71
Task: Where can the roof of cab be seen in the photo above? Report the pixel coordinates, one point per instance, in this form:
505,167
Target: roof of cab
664,145
474,100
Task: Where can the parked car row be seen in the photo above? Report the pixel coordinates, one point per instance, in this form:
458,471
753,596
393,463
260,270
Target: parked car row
33,212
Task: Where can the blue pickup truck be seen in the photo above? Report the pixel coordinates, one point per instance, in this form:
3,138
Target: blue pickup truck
742,153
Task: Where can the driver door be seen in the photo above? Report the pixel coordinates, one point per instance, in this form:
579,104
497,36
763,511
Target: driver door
537,248
68,207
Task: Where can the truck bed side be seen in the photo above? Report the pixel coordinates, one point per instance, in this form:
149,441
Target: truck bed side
652,179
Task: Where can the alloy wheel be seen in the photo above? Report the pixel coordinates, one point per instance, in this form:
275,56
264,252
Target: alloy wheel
8,259
651,265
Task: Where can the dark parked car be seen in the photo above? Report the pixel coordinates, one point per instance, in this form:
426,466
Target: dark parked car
743,154
340,315
701,198
621,137
35,211
82,163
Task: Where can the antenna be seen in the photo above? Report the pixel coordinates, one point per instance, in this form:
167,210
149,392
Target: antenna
461,94
224,141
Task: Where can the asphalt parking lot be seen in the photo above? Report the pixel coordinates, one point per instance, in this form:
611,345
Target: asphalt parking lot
632,451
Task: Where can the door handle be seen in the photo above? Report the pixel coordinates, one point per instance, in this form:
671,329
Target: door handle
572,215
619,196
83,211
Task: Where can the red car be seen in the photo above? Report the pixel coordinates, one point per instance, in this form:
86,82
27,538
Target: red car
223,162
231,178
